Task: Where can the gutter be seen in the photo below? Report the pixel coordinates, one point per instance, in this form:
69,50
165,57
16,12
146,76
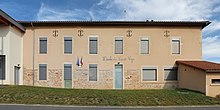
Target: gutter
33,51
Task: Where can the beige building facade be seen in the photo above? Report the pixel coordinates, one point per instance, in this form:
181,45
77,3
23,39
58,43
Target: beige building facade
159,56
108,54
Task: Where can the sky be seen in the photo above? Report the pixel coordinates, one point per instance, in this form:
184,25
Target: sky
136,10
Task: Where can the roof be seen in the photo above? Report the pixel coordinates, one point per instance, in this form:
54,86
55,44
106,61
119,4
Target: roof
200,24
5,19
202,65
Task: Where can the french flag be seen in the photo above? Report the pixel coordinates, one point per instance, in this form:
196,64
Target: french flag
79,62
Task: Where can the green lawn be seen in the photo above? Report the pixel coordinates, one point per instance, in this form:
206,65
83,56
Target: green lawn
164,97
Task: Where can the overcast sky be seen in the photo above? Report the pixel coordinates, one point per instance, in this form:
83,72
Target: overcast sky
135,10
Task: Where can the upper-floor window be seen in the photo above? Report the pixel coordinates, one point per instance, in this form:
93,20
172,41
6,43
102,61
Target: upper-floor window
175,46
42,71
93,45
68,45
170,74
149,74
92,72
144,46
118,45
43,45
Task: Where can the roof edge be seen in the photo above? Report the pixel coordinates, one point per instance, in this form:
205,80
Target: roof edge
11,20
201,24
203,69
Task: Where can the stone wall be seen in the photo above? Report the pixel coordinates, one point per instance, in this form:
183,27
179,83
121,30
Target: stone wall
54,78
132,80
104,81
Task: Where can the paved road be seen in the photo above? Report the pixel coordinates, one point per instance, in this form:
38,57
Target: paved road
39,107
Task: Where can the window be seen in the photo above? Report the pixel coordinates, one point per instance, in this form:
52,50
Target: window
118,45
93,45
170,74
215,81
42,71
149,74
67,71
68,45
92,72
2,67
43,45
175,46
144,46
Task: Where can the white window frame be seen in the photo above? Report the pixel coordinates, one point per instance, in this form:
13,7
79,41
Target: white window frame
170,67
149,67
123,43
63,74
144,38
171,42
97,44
97,72
64,45
38,76
39,45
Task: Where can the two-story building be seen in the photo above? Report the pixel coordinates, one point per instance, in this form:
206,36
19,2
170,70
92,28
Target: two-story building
111,55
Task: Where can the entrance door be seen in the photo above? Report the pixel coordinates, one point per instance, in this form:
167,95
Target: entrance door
118,76
16,78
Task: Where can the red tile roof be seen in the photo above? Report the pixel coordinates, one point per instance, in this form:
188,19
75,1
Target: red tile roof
202,65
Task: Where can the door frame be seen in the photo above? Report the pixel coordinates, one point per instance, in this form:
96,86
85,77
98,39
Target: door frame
16,75
63,81
122,76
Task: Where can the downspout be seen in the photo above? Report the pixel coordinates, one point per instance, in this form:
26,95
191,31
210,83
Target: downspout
33,51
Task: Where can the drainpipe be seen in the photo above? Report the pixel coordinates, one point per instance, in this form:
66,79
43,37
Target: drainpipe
33,51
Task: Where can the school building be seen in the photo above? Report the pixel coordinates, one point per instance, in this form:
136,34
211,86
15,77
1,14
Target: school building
106,55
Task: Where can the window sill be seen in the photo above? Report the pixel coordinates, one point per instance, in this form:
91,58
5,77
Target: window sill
93,81
68,54
42,80
215,84
175,54
144,54
149,81
170,80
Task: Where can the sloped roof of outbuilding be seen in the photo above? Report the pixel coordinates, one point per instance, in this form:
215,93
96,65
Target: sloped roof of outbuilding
206,66
5,19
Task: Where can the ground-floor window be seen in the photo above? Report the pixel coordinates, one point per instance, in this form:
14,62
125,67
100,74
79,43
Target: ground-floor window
92,72
215,81
2,67
68,75
42,71
170,74
67,71
149,74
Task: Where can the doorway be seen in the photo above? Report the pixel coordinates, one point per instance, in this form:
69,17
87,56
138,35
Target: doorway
118,76
16,75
